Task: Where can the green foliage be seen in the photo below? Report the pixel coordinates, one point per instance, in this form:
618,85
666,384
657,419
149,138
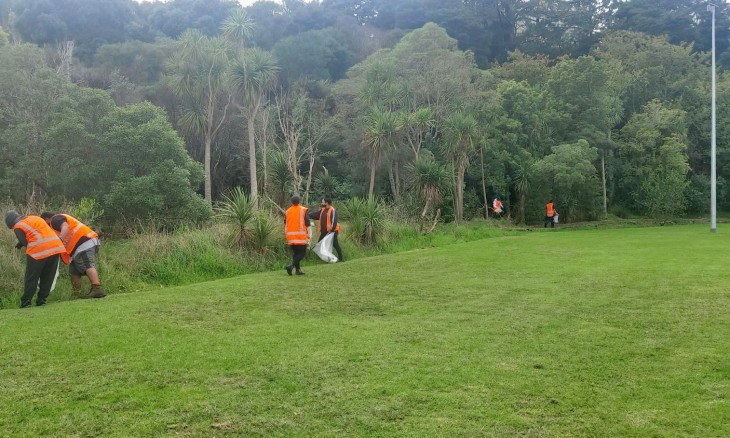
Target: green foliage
316,54
366,219
238,210
569,176
88,211
173,19
3,37
88,23
148,171
429,181
265,233
656,166
326,185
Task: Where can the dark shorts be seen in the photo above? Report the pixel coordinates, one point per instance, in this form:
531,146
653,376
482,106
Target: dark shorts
83,261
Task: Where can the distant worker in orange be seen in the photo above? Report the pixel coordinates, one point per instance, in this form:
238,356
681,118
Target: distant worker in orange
43,250
497,207
82,245
297,234
550,214
327,217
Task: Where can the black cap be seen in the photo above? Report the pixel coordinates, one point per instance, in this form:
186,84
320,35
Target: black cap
11,218
295,200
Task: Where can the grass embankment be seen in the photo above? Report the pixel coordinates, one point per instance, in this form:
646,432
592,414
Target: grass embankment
583,333
151,259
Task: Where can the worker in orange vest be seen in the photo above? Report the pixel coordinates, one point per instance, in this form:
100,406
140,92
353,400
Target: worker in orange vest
82,246
550,214
327,217
497,207
43,250
297,234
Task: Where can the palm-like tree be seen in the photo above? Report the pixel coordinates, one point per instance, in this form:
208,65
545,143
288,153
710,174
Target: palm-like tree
381,129
429,179
253,76
418,125
198,76
461,131
238,27
523,174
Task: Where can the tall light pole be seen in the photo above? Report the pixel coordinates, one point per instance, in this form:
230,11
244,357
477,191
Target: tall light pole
713,170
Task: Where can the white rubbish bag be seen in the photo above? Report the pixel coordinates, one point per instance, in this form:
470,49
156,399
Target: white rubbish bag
55,279
555,218
323,249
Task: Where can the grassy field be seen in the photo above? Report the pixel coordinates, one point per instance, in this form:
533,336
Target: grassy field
611,332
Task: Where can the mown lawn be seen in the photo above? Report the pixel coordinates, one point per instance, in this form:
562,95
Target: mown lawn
622,332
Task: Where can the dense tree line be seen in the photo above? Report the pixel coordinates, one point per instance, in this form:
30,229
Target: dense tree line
436,105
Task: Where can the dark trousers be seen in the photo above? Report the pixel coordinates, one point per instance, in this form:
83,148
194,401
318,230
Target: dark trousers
551,220
335,245
39,275
298,253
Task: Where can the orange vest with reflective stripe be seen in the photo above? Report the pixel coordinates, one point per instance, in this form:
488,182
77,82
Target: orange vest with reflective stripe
76,230
328,213
550,211
42,241
296,226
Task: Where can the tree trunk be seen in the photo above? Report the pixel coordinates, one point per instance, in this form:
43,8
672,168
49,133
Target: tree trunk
522,207
603,181
208,182
264,153
484,184
398,190
393,186
312,158
252,160
371,191
459,214
252,167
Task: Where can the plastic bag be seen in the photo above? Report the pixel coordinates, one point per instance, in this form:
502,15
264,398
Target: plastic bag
555,218
55,279
323,249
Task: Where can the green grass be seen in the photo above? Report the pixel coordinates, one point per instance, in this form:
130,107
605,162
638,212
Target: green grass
619,332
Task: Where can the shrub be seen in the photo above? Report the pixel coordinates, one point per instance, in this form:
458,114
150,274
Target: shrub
88,212
237,210
366,219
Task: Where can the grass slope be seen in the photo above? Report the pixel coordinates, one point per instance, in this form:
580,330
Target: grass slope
583,333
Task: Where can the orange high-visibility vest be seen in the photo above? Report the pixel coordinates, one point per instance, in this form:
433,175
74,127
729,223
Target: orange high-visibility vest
296,226
76,230
550,211
42,241
329,214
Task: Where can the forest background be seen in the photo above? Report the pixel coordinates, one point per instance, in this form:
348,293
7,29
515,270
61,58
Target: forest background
601,105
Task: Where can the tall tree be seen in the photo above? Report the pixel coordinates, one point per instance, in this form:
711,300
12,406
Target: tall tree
253,77
198,74
381,128
654,156
461,131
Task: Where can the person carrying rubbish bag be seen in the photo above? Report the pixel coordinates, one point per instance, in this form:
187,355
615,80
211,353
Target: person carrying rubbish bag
329,230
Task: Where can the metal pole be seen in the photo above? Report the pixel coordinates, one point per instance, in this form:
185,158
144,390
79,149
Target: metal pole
713,171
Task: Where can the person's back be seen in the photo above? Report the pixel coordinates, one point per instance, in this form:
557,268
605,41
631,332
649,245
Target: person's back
43,250
296,233
549,214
